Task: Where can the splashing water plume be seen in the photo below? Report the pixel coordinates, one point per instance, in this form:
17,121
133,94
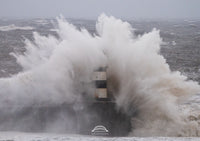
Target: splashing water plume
138,75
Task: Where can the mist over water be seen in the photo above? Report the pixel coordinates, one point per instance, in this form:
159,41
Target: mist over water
144,87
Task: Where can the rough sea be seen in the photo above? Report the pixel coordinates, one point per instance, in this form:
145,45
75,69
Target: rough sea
155,65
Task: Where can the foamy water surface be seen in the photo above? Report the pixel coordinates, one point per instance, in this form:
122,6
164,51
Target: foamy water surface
149,78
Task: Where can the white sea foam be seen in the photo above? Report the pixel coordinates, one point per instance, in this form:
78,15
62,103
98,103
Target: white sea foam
41,21
19,136
14,27
139,77
173,43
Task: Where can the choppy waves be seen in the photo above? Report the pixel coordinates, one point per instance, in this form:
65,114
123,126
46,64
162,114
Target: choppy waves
14,27
139,77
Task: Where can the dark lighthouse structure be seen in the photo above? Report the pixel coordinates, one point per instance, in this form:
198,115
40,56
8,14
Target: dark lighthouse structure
103,109
77,117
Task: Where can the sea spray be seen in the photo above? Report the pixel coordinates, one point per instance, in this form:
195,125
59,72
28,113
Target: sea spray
147,89
55,69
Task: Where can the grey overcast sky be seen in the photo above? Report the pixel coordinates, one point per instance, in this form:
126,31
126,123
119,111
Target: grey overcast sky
90,9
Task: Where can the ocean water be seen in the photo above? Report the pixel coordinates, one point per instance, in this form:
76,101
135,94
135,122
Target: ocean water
181,41
153,69
19,136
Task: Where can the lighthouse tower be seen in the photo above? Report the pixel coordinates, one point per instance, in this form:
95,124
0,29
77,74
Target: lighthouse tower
100,81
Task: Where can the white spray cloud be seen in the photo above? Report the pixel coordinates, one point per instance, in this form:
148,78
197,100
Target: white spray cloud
138,75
